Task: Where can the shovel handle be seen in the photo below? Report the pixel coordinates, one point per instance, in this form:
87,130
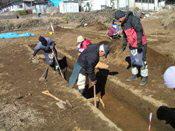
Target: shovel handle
95,101
58,63
49,94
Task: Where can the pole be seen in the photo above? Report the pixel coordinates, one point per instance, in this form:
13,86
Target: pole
57,64
95,101
150,120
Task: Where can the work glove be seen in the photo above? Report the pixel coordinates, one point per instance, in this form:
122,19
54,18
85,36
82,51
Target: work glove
139,47
124,45
94,82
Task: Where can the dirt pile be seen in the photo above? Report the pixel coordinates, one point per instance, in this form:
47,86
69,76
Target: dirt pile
98,19
169,20
14,24
104,16
24,107
98,26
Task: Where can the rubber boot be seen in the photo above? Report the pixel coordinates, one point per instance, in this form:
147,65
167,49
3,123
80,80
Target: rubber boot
144,81
132,78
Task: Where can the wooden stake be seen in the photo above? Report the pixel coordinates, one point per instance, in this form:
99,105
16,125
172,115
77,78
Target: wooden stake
95,101
150,120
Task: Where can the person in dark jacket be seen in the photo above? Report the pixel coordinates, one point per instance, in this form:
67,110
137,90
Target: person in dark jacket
134,36
85,65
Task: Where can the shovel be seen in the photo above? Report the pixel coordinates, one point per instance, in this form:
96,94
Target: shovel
56,60
61,104
95,100
44,75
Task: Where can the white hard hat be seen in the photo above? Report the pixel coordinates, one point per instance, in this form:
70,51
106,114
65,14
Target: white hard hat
80,39
169,77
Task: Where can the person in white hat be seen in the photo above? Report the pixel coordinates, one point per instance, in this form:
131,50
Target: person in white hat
85,66
169,77
82,43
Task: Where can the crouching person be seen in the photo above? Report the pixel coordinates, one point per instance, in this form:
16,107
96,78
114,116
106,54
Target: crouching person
85,65
134,36
48,46
82,43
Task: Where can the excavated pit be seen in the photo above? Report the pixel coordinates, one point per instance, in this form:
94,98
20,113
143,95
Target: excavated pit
125,109
24,107
127,105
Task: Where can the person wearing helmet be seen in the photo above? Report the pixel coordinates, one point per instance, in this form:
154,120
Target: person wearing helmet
82,43
85,65
165,113
134,37
169,77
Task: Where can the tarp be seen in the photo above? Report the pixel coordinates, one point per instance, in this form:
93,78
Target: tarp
15,35
55,2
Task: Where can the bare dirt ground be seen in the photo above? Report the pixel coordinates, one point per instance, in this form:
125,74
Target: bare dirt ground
155,89
24,107
127,104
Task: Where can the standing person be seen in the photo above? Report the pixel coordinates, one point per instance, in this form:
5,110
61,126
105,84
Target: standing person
82,43
85,65
134,36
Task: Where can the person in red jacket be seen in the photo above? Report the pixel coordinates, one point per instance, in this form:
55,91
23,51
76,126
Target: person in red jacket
82,43
134,36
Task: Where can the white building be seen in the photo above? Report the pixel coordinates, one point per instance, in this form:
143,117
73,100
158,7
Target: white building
16,6
25,5
126,4
99,4
69,6
150,4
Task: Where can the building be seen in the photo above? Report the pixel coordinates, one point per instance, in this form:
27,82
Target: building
150,4
35,7
16,6
124,4
153,5
69,6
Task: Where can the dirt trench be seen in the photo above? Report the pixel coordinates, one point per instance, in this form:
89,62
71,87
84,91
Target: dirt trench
119,110
24,107
127,105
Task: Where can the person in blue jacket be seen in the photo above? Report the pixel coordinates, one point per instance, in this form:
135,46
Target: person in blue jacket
48,46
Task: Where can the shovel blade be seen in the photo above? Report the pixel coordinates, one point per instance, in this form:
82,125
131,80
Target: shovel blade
68,103
61,105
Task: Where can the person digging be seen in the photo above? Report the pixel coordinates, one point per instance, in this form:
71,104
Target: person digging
82,43
48,46
85,66
134,36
